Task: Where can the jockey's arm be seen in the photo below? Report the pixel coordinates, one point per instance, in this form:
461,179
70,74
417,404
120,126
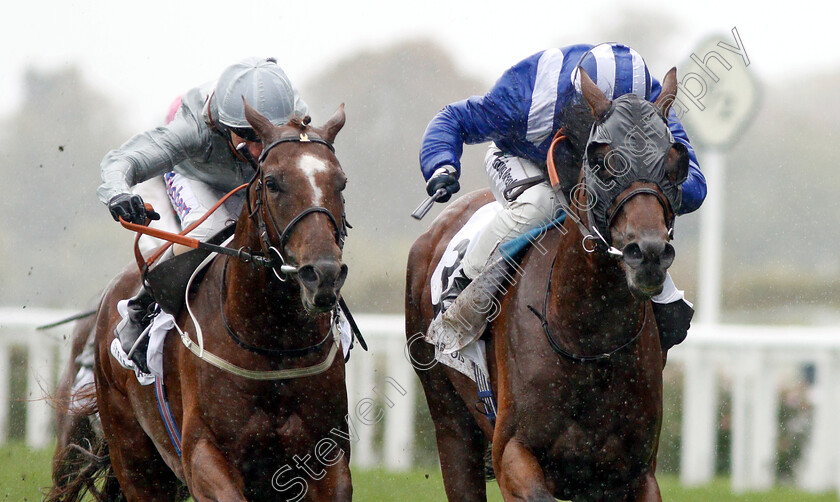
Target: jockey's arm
694,187
470,121
149,154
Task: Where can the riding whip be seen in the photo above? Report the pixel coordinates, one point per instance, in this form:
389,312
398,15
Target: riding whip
427,204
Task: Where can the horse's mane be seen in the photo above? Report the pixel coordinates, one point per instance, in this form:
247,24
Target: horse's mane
576,119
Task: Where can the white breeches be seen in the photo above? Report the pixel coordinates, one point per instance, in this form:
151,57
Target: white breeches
153,191
533,207
192,199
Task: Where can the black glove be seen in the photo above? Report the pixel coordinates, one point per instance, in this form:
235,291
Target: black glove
445,177
130,207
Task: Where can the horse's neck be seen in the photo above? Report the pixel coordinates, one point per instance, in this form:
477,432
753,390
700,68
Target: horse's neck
591,294
264,294
255,290
263,310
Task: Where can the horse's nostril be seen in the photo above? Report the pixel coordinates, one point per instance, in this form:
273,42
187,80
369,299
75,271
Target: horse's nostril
308,274
323,274
342,275
652,250
632,255
668,255
649,252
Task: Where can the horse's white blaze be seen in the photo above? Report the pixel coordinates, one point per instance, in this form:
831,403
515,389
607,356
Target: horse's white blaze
311,166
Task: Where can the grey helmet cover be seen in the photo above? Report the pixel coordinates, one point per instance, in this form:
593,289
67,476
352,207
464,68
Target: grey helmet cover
264,85
639,139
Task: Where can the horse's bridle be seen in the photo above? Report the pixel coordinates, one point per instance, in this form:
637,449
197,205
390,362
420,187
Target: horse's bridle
280,268
589,230
275,255
599,242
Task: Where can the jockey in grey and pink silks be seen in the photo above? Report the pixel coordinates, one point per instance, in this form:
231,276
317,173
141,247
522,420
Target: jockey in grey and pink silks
197,151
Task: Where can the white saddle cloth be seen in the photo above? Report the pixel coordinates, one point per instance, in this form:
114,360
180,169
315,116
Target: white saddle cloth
472,357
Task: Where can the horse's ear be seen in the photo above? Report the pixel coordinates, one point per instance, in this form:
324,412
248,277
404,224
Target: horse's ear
677,163
598,102
669,92
334,124
261,125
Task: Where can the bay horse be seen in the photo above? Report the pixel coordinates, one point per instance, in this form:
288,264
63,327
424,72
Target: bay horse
574,355
269,419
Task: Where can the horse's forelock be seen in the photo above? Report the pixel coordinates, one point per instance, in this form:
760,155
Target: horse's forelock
299,123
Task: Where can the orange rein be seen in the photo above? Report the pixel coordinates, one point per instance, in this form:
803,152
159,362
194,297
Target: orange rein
552,169
179,238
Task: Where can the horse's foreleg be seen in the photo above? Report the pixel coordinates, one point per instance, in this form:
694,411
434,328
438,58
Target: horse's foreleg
209,476
335,486
519,474
646,488
341,486
461,448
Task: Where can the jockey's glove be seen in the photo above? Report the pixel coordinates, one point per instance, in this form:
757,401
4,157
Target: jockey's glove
130,207
445,177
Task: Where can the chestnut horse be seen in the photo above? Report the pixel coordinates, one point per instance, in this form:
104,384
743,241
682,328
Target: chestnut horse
268,420
574,354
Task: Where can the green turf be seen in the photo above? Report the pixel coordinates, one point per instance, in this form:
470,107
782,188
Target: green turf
24,472
417,487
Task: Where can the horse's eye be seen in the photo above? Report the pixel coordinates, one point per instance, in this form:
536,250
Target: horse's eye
272,185
599,166
597,153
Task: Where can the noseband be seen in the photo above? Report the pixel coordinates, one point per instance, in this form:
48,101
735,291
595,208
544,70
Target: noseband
593,235
276,254
624,198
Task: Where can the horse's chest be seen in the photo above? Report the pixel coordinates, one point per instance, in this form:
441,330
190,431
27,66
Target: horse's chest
591,437
591,417
266,420
257,425
264,439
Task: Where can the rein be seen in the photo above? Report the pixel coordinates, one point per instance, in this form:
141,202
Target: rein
181,238
549,161
571,355
599,242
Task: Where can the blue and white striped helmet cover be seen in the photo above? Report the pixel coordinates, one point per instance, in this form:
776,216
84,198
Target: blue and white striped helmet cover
616,69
